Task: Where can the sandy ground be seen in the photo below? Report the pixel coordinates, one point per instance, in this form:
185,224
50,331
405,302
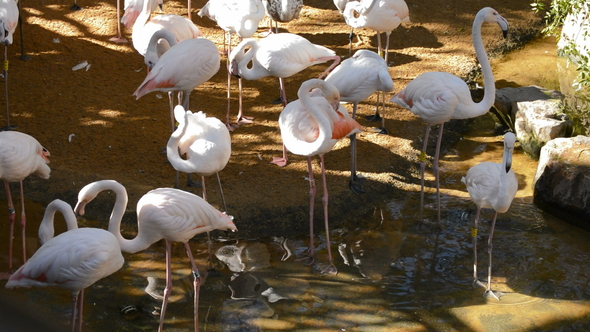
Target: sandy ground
95,129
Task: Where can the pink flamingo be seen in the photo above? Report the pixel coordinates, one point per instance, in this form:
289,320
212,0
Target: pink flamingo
182,68
280,55
311,126
164,213
74,261
438,97
21,155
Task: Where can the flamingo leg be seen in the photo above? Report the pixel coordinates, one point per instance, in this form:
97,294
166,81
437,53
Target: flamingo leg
330,269
281,161
489,292
230,126
189,10
196,284
354,179
476,281
312,191
74,311
242,119
118,38
436,172
5,73
168,288
23,221
80,311
350,37
336,59
422,169
221,191
11,218
209,241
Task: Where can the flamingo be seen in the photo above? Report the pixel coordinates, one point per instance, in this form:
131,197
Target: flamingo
163,213
283,10
206,142
234,17
437,97
46,229
144,27
9,17
118,38
74,261
357,78
381,16
183,67
132,10
280,55
311,126
21,155
491,186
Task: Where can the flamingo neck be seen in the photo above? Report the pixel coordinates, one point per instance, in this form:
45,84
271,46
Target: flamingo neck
46,229
488,77
172,148
255,71
504,197
324,138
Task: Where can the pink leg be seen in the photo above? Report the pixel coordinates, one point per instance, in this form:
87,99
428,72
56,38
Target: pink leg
422,169
387,34
242,119
196,284
74,311
312,191
436,172
189,10
80,311
281,161
11,218
489,292
23,221
168,288
331,269
118,38
329,69
228,124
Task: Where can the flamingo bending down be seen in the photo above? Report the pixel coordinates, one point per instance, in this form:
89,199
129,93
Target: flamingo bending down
437,97
491,186
183,67
311,126
21,155
280,55
205,141
234,17
46,229
73,260
9,17
164,213
357,78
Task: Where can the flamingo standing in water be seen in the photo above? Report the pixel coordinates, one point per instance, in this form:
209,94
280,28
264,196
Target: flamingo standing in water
311,126
491,186
357,78
234,17
438,97
205,141
21,155
164,213
73,260
280,55
381,16
183,67
9,17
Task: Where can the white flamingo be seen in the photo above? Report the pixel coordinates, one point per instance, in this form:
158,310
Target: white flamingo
164,213
437,97
74,261
280,55
9,15
234,17
357,78
205,141
21,155
491,186
311,126
182,68
144,27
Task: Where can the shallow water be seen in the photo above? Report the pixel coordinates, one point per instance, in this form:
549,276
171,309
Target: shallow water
392,275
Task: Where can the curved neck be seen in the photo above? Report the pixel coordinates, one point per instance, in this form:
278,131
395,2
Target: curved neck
142,18
160,34
504,197
46,229
253,72
488,77
324,123
172,147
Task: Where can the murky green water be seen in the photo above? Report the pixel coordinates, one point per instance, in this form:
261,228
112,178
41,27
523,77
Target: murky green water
392,275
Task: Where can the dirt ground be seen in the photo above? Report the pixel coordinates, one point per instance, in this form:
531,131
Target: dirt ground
95,129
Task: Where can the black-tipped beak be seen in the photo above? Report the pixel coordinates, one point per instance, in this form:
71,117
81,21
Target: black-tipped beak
505,33
508,165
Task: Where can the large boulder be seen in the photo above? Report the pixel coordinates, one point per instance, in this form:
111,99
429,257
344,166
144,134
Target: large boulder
536,115
562,182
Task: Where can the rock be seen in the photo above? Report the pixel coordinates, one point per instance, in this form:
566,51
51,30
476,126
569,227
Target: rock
535,113
562,181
